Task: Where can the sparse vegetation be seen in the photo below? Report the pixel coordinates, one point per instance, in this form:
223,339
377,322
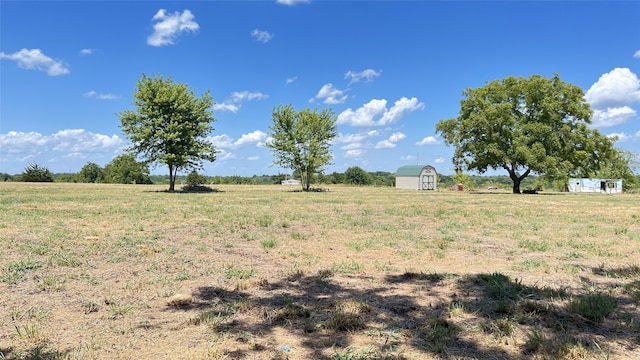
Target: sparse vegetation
365,273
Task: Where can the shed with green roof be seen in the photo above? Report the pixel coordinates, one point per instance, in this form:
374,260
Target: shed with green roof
417,177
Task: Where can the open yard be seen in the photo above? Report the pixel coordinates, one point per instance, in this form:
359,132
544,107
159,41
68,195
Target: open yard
132,272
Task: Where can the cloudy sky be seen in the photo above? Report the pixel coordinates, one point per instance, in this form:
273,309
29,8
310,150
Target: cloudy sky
390,70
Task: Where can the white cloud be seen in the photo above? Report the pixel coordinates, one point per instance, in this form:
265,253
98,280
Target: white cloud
330,94
68,141
261,35
637,54
84,52
390,143
223,141
95,95
612,116
364,115
226,107
253,158
429,140
623,137
80,140
169,26
224,155
358,137
251,138
239,96
232,103
34,59
385,144
226,142
440,160
395,137
368,75
292,2
616,88
352,146
17,142
354,154
619,137
292,80
401,107
375,112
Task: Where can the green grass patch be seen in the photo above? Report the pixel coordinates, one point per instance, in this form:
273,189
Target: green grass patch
234,273
594,307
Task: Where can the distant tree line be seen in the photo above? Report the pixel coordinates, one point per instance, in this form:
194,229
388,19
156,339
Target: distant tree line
124,169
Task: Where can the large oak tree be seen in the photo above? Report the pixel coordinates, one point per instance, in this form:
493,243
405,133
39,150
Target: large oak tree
301,140
526,125
170,125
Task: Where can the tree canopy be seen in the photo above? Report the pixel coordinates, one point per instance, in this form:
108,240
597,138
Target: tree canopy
524,126
357,176
124,169
301,140
90,173
170,125
621,165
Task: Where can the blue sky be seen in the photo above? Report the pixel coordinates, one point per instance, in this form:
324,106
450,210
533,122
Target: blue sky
389,69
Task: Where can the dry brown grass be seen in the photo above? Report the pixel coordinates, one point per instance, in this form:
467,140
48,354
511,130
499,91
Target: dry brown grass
117,271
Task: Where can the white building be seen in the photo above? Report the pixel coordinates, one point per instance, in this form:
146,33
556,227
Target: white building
417,177
290,182
608,186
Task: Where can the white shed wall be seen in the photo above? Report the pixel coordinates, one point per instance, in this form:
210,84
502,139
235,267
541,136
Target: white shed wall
407,182
595,186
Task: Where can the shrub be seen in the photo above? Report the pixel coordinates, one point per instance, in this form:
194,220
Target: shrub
195,179
36,173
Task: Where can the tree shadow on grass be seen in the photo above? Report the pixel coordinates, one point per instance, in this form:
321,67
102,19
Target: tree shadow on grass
190,189
326,315
39,352
559,322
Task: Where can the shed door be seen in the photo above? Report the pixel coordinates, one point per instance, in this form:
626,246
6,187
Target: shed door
428,182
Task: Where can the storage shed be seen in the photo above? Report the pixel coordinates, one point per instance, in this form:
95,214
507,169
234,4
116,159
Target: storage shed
608,186
417,177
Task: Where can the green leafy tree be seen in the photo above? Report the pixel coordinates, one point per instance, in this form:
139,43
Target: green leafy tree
170,125
195,179
526,125
124,169
301,140
90,173
357,176
65,177
36,173
336,178
622,164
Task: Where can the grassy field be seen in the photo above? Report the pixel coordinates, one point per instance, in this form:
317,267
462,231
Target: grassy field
132,272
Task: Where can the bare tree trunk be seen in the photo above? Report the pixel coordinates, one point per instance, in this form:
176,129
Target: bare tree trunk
172,179
516,185
517,179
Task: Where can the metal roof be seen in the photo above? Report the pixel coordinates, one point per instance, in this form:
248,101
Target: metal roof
411,170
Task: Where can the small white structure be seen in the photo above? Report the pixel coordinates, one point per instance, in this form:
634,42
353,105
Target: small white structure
417,177
606,186
290,182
